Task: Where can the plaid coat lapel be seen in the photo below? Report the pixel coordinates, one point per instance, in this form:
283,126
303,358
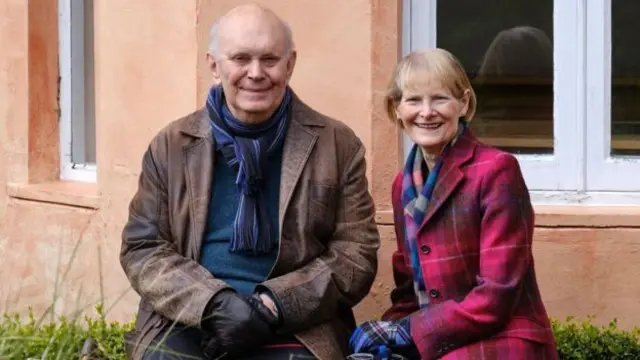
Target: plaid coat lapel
450,175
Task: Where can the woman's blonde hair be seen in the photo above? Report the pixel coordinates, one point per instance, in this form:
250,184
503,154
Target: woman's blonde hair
425,66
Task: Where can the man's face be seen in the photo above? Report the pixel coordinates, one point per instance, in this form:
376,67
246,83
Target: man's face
253,65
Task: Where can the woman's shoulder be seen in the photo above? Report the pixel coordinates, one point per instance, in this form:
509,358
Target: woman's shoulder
492,158
498,170
491,169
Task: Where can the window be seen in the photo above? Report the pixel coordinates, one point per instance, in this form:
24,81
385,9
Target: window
77,102
556,83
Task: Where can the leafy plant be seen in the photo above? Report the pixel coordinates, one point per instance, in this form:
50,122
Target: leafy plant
30,339
582,340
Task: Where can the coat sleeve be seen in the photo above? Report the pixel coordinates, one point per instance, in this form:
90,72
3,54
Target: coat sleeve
506,230
403,297
175,286
344,274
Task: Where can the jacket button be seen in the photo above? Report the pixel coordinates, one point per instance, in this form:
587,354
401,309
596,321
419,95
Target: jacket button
425,249
434,293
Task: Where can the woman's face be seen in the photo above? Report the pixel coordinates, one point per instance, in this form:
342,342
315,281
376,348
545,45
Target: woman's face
430,114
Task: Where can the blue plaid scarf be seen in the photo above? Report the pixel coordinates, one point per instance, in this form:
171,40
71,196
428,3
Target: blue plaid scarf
416,194
246,147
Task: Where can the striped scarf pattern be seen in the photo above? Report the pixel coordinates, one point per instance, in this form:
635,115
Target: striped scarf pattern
416,194
246,148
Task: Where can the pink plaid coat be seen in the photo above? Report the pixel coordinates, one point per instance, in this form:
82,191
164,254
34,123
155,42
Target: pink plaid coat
476,258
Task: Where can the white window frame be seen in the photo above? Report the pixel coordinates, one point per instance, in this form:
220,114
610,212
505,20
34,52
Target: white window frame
581,170
72,66
602,168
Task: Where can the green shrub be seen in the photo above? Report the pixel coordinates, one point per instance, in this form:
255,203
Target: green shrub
31,338
582,340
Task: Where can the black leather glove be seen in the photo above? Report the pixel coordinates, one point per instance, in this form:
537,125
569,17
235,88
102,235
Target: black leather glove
256,303
238,323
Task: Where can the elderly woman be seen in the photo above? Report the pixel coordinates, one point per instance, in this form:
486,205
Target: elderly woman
464,270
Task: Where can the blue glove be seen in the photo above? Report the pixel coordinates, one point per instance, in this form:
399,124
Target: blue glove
371,335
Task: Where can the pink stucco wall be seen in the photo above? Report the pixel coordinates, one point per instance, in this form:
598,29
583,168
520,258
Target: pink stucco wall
146,57
150,70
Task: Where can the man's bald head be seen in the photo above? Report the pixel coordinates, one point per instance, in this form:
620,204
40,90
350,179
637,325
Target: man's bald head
252,57
246,14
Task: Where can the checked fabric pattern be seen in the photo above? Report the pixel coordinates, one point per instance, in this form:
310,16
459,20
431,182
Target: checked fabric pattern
417,188
372,335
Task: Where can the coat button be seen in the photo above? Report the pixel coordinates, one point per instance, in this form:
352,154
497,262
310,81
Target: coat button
434,293
425,249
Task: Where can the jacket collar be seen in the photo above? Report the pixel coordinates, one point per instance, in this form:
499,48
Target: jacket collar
451,174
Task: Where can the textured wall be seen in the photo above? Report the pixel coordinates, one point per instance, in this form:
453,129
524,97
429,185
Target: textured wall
145,77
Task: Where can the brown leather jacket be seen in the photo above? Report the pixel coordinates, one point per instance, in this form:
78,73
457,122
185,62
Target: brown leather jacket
327,258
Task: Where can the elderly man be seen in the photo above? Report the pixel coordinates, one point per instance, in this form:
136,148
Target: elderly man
252,231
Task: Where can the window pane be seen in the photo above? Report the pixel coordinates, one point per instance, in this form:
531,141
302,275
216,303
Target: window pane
625,82
83,143
507,51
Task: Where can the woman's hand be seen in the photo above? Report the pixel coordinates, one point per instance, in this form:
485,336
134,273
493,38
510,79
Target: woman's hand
371,335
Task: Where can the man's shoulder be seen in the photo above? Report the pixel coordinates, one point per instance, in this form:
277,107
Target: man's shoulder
325,125
179,130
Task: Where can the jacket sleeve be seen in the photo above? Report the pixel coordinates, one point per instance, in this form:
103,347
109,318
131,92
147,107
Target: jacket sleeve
175,286
403,297
506,231
344,274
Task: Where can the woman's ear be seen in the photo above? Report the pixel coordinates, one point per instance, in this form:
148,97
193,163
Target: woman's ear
465,102
398,117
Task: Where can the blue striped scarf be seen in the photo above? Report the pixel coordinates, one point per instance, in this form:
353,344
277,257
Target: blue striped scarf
416,194
246,147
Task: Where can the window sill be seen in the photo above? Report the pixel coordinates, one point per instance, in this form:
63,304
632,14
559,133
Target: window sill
568,216
587,216
69,193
